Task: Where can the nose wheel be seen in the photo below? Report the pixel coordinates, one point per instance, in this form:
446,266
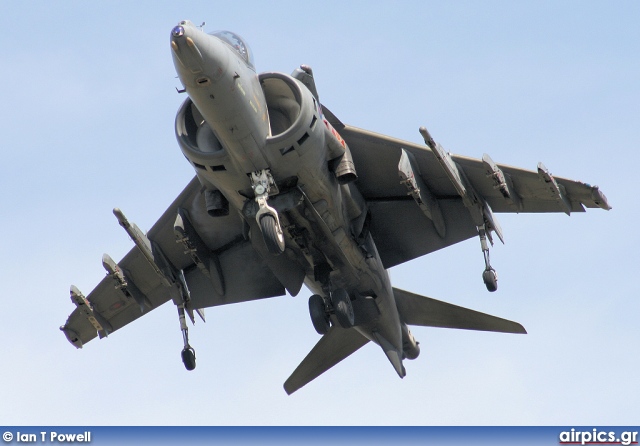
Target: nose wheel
272,233
267,217
489,275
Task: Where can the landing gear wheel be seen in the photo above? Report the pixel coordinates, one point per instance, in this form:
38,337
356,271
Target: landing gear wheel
343,308
189,358
490,279
319,317
273,238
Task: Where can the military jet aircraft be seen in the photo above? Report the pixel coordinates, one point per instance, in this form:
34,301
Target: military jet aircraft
285,194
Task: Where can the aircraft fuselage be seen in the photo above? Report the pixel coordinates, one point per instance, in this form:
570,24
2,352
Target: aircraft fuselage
259,144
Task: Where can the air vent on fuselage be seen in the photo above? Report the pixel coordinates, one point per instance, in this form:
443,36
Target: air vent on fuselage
303,138
287,150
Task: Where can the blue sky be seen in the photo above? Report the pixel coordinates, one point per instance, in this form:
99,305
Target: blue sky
87,122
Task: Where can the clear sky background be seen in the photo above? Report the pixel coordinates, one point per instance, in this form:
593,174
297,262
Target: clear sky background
88,103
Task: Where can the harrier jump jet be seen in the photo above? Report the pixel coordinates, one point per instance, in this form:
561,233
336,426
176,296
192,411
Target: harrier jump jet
285,194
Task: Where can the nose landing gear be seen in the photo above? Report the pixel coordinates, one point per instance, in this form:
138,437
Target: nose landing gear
267,217
272,233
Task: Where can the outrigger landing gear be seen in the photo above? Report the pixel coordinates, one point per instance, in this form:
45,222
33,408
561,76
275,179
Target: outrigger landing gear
267,217
489,275
188,353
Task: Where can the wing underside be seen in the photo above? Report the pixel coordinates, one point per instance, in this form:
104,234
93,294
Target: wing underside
225,255
401,227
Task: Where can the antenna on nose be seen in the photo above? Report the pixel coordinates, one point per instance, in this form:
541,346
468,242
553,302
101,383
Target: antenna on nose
202,26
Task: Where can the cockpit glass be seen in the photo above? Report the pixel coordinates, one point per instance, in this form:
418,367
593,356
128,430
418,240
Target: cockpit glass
238,44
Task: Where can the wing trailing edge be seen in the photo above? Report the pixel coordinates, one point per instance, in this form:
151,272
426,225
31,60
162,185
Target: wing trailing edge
427,312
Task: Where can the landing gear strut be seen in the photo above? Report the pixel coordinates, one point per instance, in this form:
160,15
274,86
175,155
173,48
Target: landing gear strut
489,275
267,217
188,353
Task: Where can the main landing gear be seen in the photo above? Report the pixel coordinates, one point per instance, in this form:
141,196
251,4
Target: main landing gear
339,304
319,314
489,275
267,217
342,308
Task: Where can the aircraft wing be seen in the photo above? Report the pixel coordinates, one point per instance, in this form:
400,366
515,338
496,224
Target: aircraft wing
400,225
221,249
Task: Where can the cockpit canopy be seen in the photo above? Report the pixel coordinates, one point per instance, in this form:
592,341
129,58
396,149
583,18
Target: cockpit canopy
238,44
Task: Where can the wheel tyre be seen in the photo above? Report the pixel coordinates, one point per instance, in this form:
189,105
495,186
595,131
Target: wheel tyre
343,308
490,279
189,358
273,239
319,317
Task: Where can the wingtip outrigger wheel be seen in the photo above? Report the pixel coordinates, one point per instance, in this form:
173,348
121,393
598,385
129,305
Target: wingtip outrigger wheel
490,278
489,275
189,357
188,353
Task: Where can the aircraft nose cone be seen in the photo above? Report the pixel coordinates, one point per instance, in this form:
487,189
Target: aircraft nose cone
185,40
